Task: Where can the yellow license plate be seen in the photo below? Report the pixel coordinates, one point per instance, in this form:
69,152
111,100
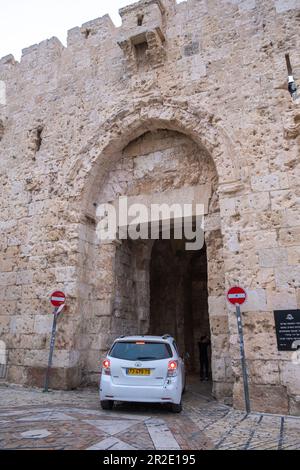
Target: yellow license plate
138,371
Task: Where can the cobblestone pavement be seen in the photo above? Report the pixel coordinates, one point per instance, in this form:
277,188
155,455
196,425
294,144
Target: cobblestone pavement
30,419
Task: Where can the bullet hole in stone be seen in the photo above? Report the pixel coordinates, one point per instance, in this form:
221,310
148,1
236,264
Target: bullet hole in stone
296,121
39,139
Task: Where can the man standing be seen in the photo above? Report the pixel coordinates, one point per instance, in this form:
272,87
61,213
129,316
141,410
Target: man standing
203,345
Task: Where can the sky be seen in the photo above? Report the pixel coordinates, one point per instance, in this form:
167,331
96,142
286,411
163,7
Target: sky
27,22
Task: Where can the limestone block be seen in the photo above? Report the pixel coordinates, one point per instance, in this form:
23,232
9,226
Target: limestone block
64,273
261,345
95,358
62,378
220,343
285,199
24,277
268,220
264,372
289,237
217,306
103,307
234,263
293,255
16,374
212,222
11,293
281,299
269,182
32,341
272,257
260,322
8,279
5,321
290,376
21,324
74,36
264,398
258,239
291,217
223,391
218,369
228,206
7,265
254,202
219,325
265,278
295,405
247,5
39,358
43,324
285,5
287,277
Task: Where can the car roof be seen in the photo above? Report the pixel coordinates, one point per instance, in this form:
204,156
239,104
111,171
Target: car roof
164,338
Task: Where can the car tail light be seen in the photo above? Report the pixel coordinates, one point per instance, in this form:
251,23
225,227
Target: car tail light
106,366
172,368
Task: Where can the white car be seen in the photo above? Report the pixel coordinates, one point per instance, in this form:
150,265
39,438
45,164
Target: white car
143,369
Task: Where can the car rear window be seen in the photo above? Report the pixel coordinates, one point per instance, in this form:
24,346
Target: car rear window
140,351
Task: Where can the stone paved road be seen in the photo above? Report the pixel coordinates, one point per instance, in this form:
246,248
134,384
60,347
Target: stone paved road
30,419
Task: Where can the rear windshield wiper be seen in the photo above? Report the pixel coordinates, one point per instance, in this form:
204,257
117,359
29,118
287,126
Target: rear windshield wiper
145,358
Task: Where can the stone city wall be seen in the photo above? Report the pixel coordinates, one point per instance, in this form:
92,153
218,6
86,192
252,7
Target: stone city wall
212,70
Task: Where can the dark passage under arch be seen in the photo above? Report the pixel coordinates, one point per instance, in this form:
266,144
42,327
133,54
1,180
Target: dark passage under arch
179,296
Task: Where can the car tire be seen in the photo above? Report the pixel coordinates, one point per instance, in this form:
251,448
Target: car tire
176,407
107,404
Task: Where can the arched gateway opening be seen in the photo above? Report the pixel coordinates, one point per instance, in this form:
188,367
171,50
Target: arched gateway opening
156,286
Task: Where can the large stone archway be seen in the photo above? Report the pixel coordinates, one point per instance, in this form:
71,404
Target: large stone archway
102,151
101,264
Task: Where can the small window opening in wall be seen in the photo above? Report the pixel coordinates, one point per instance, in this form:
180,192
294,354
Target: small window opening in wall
141,53
140,19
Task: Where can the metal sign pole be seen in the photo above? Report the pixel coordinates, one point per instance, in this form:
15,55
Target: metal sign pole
243,358
52,343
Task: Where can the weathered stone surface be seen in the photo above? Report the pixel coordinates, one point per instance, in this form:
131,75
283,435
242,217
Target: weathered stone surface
164,107
264,398
290,376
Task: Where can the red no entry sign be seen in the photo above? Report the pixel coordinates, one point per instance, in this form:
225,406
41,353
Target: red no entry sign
236,295
58,298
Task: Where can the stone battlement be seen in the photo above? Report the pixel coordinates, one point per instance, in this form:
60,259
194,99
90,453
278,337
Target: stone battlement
150,12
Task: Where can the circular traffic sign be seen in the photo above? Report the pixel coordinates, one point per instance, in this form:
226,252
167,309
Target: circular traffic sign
58,298
236,295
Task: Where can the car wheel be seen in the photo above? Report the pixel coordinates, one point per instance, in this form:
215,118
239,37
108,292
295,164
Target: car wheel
176,408
107,404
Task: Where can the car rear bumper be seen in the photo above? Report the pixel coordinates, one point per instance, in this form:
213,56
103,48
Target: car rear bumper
168,393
